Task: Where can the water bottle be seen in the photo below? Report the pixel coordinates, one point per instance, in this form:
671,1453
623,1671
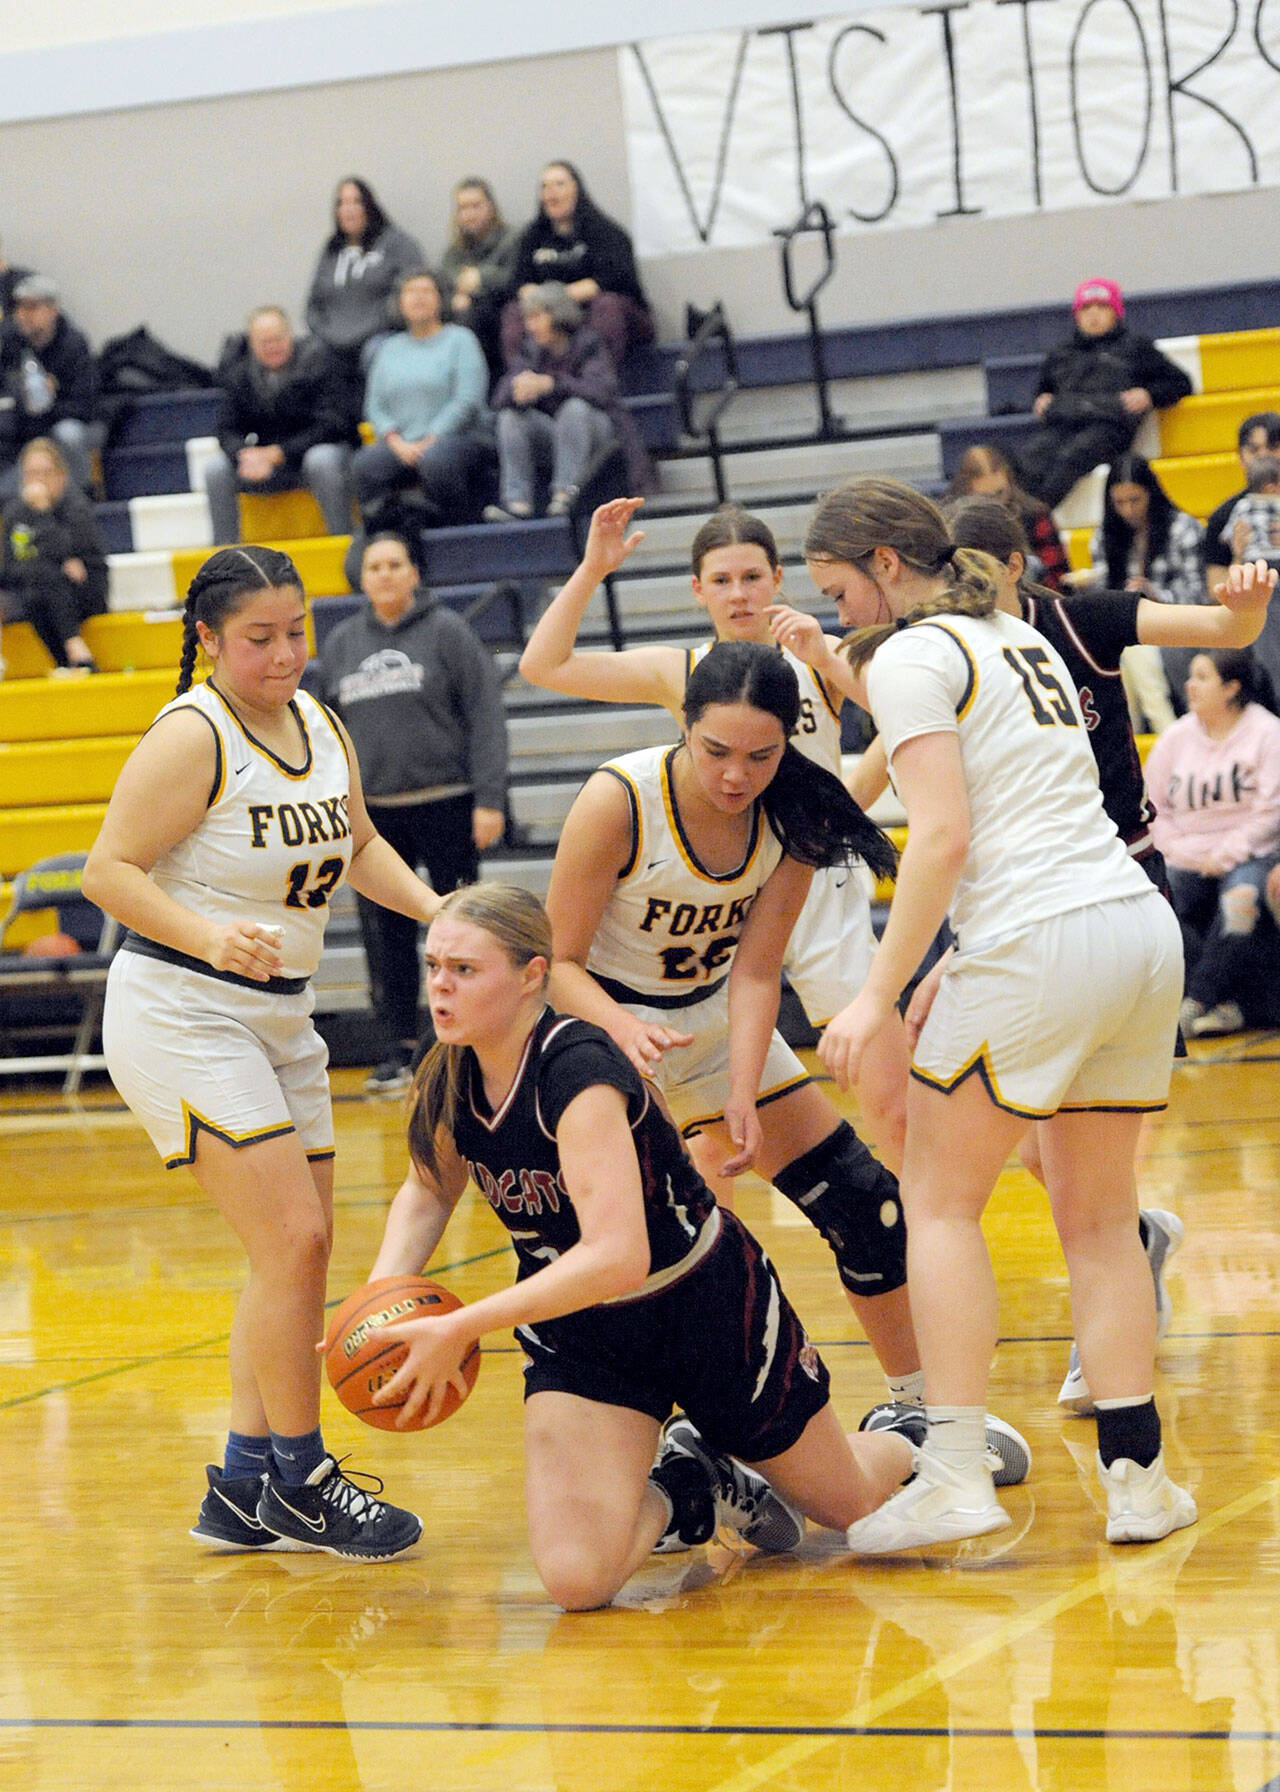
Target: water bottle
37,387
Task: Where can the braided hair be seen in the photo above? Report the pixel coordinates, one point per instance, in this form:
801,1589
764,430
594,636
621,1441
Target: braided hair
808,808
220,588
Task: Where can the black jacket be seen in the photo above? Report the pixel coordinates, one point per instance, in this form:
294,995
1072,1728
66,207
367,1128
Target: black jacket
1087,375
295,410
36,542
68,359
595,249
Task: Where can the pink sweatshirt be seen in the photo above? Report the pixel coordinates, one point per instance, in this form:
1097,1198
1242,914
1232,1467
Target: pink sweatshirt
1217,802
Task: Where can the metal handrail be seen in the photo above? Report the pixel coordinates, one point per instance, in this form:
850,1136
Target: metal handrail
815,219
705,331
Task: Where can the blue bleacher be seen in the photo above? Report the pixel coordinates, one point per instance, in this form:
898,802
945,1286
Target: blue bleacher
148,455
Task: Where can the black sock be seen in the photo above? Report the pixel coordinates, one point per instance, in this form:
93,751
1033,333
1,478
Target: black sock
1129,1431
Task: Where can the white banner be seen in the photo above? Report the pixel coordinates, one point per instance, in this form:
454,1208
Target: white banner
983,108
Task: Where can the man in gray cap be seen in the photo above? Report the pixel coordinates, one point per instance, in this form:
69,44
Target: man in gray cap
48,382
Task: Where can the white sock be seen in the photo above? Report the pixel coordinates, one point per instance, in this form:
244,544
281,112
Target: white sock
957,1435
907,1389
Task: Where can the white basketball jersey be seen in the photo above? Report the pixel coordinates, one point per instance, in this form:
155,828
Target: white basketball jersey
672,926
1040,841
275,841
817,733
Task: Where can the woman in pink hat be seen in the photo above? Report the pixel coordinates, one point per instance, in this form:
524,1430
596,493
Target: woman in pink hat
1094,391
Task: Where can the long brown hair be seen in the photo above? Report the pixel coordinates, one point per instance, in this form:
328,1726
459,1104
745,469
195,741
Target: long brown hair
519,923
851,522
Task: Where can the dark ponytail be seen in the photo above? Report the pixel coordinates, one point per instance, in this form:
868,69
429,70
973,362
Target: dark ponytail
219,589
808,808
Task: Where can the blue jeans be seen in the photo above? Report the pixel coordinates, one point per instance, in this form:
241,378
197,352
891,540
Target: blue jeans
1219,954
325,469
535,450
445,475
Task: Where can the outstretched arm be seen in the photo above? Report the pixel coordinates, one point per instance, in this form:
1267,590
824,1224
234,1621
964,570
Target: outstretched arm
1236,620
551,659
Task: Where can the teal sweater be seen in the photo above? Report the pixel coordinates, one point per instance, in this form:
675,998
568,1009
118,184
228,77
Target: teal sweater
429,386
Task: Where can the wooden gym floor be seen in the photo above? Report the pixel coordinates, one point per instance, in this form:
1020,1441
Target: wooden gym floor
1039,1660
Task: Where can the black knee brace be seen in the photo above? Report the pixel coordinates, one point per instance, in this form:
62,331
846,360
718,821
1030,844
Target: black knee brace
854,1203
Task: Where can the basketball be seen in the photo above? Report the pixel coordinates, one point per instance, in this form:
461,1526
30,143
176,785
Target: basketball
51,945
359,1363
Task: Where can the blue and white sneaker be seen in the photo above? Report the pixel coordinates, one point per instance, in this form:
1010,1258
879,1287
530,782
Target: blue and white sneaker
330,1513
228,1518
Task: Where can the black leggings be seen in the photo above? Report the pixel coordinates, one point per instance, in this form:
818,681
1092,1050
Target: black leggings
437,835
54,606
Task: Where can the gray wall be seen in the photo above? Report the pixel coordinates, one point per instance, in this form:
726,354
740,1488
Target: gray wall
184,216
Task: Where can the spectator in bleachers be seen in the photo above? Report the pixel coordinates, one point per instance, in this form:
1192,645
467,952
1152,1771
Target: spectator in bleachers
983,471
53,572
1258,434
48,383
1214,778
1147,544
571,240
419,693
479,265
10,277
355,280
557,408
426,401
1094,391
1253,528
281,425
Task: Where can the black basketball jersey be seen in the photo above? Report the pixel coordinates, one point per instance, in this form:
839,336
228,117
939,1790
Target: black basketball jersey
1090,631
513,1158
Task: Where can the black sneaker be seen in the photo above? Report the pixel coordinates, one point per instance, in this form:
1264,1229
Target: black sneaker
745,1502
229,1514
1008,1453
331,1513
392,1077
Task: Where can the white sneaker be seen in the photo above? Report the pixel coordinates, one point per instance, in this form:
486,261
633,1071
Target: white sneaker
1227,1017
938,1506
1143,1504
1074,1393
1164,1234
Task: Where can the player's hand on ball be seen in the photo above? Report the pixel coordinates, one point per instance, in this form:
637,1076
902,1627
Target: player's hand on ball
435,1349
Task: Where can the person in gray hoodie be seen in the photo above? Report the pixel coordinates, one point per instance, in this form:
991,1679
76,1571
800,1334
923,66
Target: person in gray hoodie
356,276
419,693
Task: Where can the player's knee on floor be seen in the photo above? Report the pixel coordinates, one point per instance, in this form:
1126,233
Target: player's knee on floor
854,1203
1239,909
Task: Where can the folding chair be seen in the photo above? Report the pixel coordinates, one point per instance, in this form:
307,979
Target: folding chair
55,883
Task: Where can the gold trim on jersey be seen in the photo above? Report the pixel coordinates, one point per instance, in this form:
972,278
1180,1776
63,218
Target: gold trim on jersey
333,721
776,1093
194,1122
628,783
289,771
833,708
681,839
971,689
980,1064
